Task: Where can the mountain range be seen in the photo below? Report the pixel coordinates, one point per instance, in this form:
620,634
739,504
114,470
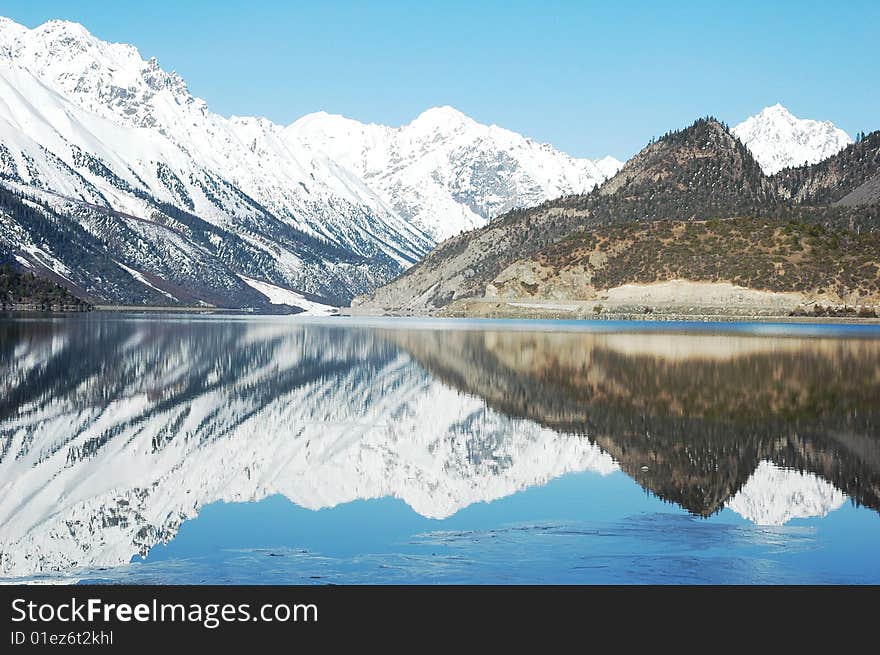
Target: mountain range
692,223
123,187
127,189
446,173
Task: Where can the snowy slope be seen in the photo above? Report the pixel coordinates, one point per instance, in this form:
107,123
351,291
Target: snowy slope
113,81
326,205
774,496
87,121
778,139
444,171
279,296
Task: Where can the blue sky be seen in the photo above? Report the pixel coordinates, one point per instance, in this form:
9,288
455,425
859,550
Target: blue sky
592,78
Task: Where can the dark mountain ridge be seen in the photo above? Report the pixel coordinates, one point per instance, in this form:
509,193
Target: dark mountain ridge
835,179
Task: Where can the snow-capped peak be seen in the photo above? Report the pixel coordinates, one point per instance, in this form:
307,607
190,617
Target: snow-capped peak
65,28
446,119
608,165
112,80
778,139
444,171
778,110
84,119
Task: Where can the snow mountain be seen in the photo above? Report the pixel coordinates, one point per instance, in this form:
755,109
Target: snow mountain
108,149
777,139
447,173
121,185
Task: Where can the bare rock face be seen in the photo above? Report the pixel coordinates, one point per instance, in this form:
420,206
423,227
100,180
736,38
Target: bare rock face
529,279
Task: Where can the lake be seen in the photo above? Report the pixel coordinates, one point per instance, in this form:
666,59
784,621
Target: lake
170,449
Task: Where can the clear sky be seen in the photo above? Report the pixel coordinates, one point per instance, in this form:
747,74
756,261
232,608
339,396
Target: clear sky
592,78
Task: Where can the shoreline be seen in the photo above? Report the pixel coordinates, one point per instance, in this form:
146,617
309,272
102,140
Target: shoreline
651,318
55,309
586,311
502,311
162,308
667,300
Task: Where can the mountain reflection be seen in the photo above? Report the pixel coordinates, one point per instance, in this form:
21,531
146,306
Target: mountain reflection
114,431
689,417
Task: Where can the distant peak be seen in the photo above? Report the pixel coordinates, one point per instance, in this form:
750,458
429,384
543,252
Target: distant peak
778,139
63,26
445,111
322,120
777,108
777,111
319,116
440,116
609,162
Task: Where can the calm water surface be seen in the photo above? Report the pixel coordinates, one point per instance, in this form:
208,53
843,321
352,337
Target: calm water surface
191,449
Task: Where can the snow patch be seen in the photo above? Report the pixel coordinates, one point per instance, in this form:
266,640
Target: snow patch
140,278
281,296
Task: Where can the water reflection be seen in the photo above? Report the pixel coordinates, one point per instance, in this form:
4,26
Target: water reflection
114,432
689,417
